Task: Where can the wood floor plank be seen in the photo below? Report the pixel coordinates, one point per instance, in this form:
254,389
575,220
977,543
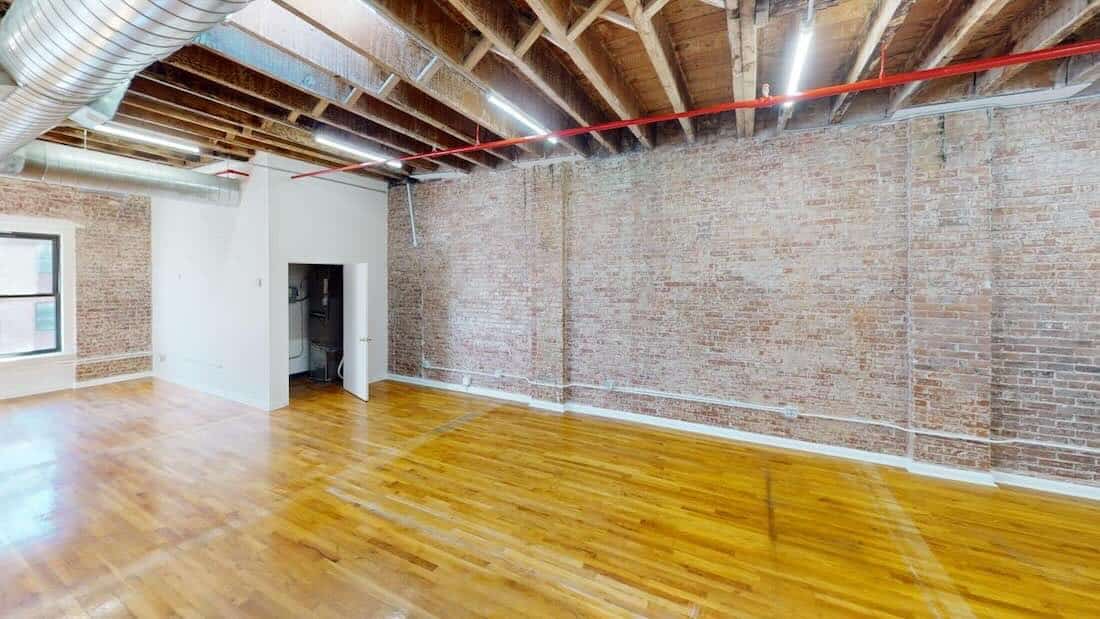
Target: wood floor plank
145,499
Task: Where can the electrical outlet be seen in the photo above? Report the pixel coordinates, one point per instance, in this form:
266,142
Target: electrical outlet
790,412
162,357
466,380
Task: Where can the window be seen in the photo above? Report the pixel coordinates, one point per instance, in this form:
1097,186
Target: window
30,295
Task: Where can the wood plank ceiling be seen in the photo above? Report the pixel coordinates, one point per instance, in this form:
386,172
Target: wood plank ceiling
399,77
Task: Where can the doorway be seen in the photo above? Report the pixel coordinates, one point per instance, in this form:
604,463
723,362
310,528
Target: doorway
327,318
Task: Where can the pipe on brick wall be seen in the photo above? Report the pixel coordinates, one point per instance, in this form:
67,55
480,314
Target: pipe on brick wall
788,411
883,81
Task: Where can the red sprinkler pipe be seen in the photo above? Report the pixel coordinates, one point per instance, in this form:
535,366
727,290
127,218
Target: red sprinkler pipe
883,81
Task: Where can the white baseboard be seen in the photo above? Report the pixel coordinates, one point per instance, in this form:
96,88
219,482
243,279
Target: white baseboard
1047,485
121,378
263,405
989,479
739,435
982,478
546,405
472,390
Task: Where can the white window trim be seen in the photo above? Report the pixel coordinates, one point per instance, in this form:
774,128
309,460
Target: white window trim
67,231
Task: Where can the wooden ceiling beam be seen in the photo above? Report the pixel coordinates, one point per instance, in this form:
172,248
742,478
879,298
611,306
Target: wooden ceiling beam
533,34
416,102
948,46
324,160
447,39
378,33
651,9
90,138
589,17
1058,20
484,46
500,22
882,25
662,55
742,23
591,58
198,93
57,136
143,87
228,74
277,44
169,125
607,15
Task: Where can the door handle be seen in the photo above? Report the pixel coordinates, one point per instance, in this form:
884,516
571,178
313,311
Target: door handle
365,339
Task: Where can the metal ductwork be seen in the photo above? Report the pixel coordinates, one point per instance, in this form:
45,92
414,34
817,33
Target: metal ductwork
76,167
63,55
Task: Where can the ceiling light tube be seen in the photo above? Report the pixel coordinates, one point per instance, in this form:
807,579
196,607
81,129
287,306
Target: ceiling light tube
801,53
148,138
358,152
521,117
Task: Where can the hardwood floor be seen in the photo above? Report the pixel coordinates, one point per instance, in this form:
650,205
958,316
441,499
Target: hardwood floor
147,499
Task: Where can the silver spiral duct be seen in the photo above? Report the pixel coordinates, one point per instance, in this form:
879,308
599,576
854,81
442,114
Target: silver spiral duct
76,167
64,54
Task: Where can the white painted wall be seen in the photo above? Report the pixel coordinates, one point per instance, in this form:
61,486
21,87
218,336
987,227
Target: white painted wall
210,294
337,221
220,275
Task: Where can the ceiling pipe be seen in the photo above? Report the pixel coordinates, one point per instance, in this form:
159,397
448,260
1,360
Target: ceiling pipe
64,55
56,164
883,81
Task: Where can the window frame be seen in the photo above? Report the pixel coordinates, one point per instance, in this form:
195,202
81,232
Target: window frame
55,241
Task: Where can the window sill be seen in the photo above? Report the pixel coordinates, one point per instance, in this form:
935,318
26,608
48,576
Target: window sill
52,358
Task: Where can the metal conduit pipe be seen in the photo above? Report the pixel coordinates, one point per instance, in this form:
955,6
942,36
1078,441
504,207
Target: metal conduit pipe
75,167
63,55
787,411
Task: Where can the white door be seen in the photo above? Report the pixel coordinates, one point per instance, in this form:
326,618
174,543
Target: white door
356,340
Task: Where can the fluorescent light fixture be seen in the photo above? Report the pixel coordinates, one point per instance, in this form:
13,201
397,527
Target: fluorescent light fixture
148,138
358,152
801,52
521,117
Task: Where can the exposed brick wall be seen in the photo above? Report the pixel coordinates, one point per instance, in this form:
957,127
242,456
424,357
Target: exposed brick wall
951,296
1046,312
883,273
113,270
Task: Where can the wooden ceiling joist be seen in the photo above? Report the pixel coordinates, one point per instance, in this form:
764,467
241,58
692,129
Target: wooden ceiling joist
948,46
607,15
500,23
174,87
588,17
651,8
379,38
293,52
447,39
227,74
741,28
210,141
662,55
588,54
58,136
881,27
1060,19
106,143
